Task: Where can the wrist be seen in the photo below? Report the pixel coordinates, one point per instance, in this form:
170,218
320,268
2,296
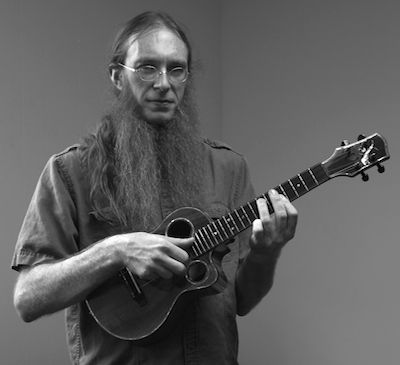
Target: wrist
264,256
112,248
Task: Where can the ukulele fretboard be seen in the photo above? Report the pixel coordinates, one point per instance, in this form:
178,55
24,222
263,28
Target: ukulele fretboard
228,226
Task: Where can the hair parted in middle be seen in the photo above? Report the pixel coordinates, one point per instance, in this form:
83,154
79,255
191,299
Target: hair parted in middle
140,24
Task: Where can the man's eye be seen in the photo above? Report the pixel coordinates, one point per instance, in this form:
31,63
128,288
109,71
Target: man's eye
177,71
147,69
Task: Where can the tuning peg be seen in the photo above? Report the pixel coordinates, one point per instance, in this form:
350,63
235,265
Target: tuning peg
345,142
381,168
365,177
360,137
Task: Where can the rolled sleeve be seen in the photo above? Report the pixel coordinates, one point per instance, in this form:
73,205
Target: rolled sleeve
48,231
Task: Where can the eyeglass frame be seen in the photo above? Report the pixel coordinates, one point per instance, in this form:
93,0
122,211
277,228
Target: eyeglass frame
159,73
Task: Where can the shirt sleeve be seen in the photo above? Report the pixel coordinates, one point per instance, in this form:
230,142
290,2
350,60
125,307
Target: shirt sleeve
49,231
244,192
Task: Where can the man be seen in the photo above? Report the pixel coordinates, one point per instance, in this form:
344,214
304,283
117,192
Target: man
96,203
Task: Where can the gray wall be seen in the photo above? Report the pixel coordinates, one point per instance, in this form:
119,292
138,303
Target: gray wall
297,78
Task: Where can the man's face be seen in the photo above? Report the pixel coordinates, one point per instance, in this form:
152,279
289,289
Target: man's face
164,50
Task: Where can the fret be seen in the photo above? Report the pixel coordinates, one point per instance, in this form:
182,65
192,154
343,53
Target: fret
195,249
290,194
202,247
218,232
252,210
245,214
308,180
203,241
199,250
234,222
196,245
319,174
240,219
249,211
313,176
283,191
222,226
299,186
231,228
212,235
303,182
292,186
208,238
227,226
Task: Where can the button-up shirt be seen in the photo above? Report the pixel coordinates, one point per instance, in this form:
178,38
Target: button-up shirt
59,223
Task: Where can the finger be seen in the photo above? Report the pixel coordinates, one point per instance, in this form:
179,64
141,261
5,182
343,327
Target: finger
176,247
144,273
266,223
176,253
163,272
173,266
278,203
292,219
181,242
263,210
258,232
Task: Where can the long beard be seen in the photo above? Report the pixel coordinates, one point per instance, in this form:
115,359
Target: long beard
152,159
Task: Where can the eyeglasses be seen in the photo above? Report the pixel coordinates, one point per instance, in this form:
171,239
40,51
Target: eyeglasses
149,73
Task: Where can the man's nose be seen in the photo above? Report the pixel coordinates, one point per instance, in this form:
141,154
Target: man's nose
162,81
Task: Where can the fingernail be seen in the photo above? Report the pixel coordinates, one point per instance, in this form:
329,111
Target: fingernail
274,192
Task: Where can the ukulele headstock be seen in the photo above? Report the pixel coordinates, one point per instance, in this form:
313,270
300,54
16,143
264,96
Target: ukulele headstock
352,159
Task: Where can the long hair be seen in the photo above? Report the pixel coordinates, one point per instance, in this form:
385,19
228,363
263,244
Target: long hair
108,180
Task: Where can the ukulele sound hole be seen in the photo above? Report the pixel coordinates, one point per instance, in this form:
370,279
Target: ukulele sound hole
197,272
180,228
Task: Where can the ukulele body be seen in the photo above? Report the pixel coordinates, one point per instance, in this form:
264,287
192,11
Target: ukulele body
147,314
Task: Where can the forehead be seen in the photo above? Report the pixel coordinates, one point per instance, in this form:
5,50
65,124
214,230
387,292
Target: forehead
159,45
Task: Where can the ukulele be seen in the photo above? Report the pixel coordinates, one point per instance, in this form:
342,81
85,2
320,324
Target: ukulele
144,311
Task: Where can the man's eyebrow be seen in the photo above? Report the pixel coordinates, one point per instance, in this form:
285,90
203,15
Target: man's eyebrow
157,61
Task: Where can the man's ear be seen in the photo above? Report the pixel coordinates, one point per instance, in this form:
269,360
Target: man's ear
116,77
